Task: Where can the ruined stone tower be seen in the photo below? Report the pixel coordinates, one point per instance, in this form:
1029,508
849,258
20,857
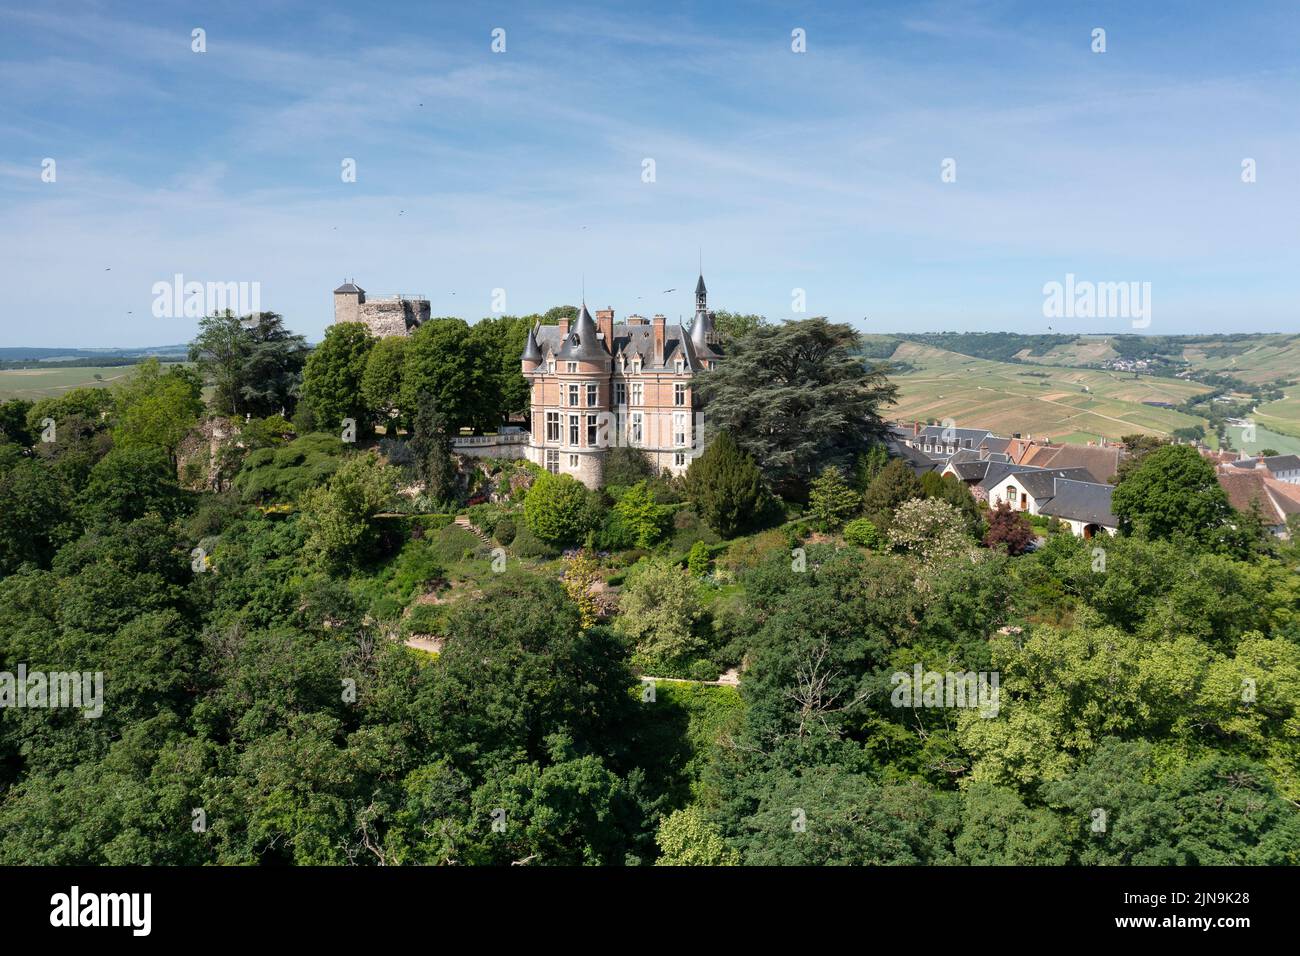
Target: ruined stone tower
383,315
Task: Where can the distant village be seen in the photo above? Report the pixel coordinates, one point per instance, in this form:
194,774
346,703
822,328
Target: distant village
1073,483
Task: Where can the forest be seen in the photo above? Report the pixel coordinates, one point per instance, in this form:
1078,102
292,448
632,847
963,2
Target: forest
319,649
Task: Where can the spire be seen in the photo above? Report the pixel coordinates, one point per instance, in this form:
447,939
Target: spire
531,352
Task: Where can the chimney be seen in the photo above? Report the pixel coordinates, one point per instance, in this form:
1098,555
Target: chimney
658,323
916,428
605,325
564,328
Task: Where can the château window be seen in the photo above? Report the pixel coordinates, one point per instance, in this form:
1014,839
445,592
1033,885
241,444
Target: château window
712,365
593,392
679,393
552,461
679,429
638,393
620,393
553,427
573,461
573,395
572,366
591,431
573,429
679,459
680,366
634,436
550,367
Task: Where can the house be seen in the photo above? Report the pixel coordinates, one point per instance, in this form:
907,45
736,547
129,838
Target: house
1254,490
1280,467
600,384
1100,461
1083,505
940,441
1027,488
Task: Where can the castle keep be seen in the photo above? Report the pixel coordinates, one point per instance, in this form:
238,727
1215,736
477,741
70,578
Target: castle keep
383,315
600,384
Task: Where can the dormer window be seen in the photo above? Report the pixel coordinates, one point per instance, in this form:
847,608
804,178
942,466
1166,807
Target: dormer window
550,366
572,366
680,366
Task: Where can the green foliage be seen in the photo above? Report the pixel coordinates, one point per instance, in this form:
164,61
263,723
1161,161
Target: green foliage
626,465
157,409
661,615
797,398
698,562
1174,493
864,534
331,380
130,483
431,446
687,838
444,360
556,509
644,520
831,500
338,515
254,366
726,487
284,473
895,484
381,380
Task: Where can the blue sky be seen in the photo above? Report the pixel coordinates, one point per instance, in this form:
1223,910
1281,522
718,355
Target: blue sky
522,170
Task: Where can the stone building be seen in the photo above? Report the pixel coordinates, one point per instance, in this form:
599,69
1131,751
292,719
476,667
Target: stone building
383,315
600,384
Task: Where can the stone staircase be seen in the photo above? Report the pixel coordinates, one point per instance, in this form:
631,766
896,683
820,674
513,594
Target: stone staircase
462,521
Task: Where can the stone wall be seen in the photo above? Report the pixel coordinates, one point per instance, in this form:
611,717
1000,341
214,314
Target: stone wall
386,317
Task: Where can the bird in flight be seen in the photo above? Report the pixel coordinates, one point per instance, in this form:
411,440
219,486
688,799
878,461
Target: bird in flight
666,291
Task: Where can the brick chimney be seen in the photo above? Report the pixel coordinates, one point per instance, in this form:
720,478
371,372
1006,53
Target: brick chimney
564,327
658,322
916,428
605,326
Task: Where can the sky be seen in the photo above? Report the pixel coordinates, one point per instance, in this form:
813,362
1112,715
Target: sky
525,170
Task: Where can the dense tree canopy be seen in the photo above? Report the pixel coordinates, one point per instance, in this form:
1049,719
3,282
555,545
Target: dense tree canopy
798,398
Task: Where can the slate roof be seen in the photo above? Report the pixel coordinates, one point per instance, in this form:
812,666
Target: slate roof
1273,463
348,287
1041,484
1086,501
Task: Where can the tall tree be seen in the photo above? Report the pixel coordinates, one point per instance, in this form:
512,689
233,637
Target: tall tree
726,487
1174,493
381,382
157,408
444,359
797,398
331,381
255,366
431,446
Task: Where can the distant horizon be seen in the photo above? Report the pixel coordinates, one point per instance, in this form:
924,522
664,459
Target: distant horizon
4,349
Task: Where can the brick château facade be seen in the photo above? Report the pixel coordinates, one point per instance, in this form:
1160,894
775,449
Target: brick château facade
598,383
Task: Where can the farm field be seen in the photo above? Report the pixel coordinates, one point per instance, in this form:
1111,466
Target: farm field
1008,398
1259,360
1281,416
34,384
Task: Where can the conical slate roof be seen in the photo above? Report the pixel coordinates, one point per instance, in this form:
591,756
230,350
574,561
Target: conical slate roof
581,343
701,332
699,286
531,352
